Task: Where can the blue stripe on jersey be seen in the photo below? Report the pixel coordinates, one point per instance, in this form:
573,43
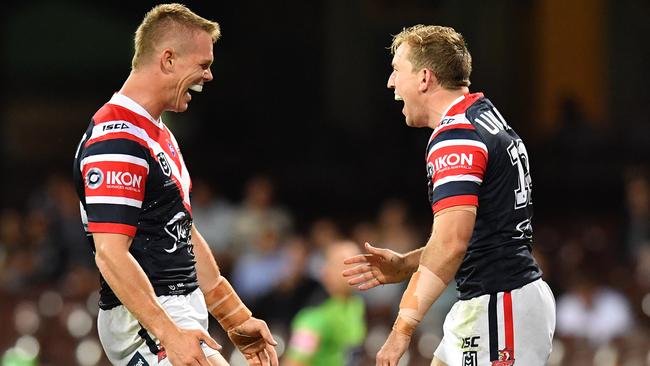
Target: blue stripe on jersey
117,146
455,134
118,214
454,189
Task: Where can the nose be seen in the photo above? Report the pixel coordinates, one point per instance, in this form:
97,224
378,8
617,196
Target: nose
391,81
207,75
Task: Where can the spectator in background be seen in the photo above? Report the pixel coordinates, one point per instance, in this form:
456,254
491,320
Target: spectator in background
330,334
215,216
322,232
257,210
258,270
293,291
592,311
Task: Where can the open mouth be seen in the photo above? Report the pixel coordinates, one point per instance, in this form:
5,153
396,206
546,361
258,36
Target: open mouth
398,97
196,87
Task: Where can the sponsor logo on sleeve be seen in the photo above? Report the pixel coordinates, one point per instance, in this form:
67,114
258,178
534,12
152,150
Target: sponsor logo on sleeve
94,178
123,180
451,161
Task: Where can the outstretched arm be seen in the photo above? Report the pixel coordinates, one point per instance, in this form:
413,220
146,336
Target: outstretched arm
251,335
131,285
441,258
381,266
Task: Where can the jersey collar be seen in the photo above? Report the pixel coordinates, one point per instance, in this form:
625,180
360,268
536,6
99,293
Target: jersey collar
128,103
456,101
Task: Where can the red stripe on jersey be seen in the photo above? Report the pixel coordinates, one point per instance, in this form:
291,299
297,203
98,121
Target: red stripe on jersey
508,323
111,227
464,200
115,178
462,106
458,160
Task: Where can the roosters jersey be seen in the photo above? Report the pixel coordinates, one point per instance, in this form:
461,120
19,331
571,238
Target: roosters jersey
475,158
131,179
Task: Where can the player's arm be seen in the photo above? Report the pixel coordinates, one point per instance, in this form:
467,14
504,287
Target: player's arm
251,336
131,285
441,258
381,266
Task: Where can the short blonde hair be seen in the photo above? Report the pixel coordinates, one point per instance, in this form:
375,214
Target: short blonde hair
167,19
441,49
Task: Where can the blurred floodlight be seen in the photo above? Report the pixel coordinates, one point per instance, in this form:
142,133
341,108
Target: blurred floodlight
281,347
88,352
50,303
28,347
427,344
26,318
557,355
79,323
606,356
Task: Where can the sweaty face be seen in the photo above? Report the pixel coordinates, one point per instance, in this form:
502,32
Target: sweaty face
192,69
405,82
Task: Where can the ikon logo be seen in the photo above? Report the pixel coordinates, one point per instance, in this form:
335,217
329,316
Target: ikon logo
453,159
123,179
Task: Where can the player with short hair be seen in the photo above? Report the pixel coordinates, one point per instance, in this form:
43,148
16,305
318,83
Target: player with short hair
480,193
159,279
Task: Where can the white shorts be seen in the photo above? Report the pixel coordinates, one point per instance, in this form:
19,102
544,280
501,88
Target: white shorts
127,343
503,329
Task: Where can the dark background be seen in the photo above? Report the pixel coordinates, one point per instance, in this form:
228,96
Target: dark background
299,93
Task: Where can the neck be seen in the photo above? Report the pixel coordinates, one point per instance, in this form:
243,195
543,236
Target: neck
440,101
143,88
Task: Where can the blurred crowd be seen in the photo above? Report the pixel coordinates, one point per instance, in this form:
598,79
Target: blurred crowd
598,268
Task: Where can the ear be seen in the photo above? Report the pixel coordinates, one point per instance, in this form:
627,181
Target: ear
167,60
427,79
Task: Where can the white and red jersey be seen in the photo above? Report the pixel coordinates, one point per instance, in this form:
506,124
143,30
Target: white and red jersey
475,158
132,180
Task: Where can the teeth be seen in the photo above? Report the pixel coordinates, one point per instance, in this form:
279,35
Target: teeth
197,88
398,97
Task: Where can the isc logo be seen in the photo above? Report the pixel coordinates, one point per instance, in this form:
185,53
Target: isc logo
123,179
115,126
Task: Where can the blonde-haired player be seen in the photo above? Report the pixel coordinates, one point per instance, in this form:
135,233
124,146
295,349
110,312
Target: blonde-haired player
159,278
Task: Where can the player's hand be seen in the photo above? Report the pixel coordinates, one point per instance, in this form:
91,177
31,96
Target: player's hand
378,267
393,349
254,341
183,347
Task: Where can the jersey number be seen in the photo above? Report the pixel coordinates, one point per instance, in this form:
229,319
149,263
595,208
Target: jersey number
519,157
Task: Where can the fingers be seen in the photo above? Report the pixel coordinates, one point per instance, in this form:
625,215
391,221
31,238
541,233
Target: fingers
264,358
266,334
272,355
205,337
369,284
356,270
359,258
376,251
367,276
